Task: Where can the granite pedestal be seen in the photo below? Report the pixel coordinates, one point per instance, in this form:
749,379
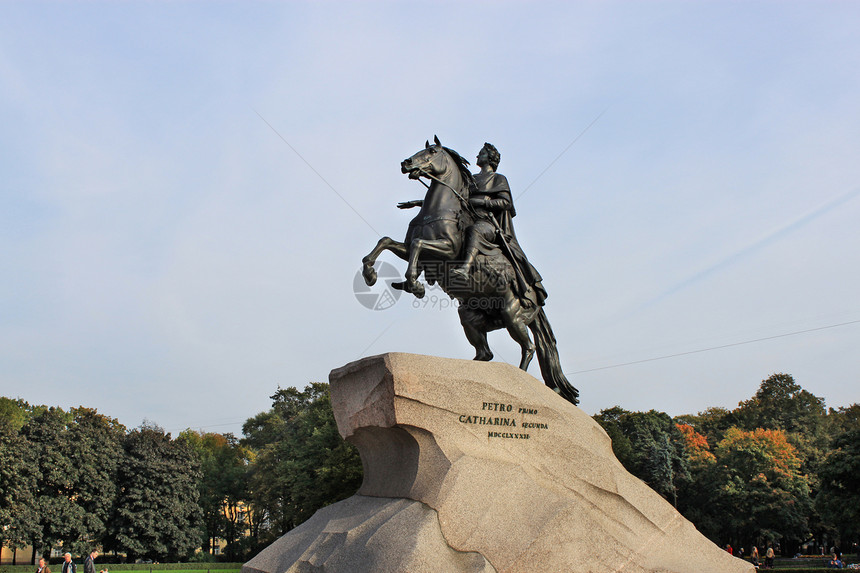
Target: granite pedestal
476,466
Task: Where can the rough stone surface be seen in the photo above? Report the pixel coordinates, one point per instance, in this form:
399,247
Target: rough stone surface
367,534
474,466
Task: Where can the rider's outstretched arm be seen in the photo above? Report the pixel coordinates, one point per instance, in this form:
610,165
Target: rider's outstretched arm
410,204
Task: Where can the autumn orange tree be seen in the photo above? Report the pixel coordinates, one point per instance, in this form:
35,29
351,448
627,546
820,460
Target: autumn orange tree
695,501
753,490
753,470
757,490
698,450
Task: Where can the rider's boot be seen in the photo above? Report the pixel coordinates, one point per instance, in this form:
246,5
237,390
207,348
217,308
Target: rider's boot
463,271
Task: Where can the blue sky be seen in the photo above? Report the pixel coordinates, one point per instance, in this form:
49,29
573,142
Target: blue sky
188,190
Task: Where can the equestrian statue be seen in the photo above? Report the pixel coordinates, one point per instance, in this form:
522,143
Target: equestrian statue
463,239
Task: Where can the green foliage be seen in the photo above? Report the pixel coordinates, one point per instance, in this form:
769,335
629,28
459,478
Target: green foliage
53,515
71,460
844,419
768,451
80,478
17,482
839,497
223,487
781,404
157,513
202,557
611,420
758,473
14,413
93,452
650,446
712,423
302,463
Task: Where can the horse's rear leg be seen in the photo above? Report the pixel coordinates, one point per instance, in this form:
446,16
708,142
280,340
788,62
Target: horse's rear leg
473,323
384,244
516,326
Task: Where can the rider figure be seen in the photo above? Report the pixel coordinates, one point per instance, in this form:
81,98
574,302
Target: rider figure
491,198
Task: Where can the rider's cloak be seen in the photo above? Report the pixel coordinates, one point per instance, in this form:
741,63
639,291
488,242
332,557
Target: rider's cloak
494,187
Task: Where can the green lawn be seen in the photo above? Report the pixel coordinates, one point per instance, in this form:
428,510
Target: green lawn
806,564
198,569
138,567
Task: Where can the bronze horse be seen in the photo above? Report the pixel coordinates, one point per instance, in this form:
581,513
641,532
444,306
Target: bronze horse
487,300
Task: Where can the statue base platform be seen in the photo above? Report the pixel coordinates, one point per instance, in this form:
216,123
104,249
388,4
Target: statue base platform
477,466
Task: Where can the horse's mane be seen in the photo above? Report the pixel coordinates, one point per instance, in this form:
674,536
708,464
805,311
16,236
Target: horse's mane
463,165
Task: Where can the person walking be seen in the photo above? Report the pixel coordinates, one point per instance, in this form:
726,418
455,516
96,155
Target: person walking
69,565
43,567
89,565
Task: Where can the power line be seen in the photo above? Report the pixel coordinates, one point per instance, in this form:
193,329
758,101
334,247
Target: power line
717,347
587,127
318,174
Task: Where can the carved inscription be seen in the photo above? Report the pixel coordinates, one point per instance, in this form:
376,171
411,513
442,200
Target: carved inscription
514,418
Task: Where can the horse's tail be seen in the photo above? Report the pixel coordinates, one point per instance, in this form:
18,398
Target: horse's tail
550,365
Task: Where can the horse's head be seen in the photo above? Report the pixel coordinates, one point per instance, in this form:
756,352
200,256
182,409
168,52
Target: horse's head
432,160
442,164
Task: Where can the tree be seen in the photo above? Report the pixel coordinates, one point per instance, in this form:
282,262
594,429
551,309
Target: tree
695,500
15,413
713,423
17,483
53,515
223,487
843,419
94,450
302,464
698,452
612,421
760,492
838,500
781,404
650,446
157,514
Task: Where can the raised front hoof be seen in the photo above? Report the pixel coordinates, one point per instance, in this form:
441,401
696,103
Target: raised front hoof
417,289
369,274
414,287
483,356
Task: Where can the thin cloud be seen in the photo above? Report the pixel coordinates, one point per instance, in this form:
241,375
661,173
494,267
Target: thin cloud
755,246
